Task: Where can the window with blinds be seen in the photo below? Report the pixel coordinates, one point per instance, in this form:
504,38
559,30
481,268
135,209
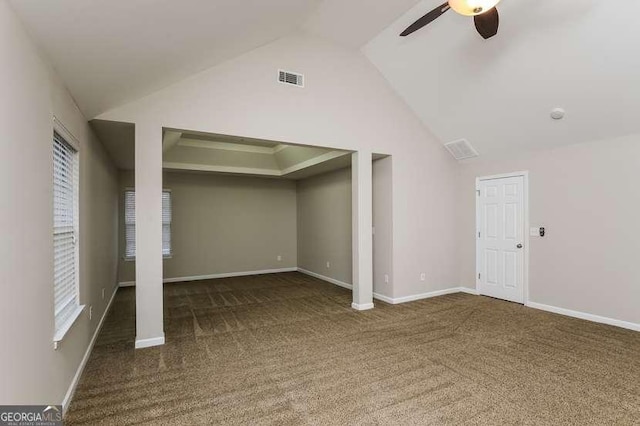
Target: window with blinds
65,232
130,223
166,223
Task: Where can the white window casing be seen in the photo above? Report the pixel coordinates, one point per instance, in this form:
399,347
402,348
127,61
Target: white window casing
67,306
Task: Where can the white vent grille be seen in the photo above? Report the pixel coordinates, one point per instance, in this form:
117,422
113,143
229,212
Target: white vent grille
461,149
287,77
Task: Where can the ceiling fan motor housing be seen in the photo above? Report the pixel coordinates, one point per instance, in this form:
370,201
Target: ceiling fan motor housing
472,7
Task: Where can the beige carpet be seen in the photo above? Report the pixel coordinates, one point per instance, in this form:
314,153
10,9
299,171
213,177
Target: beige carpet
287,349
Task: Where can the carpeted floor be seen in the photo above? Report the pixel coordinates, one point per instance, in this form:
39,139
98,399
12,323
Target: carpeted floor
287,349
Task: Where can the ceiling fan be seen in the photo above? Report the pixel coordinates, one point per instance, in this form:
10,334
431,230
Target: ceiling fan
484,12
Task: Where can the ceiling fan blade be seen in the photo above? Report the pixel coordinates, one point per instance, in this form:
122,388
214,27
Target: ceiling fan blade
487,23
426,19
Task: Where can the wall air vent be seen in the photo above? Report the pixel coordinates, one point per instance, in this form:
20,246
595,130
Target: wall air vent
461,149
293,78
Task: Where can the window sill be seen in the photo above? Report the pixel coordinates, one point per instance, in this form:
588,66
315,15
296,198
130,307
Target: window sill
133,259
57,338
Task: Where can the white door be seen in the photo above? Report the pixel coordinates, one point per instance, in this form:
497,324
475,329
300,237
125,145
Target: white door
500,238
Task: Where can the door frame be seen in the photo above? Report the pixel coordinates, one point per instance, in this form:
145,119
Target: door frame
525,176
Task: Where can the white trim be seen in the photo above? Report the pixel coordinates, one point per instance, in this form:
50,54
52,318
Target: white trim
279,147
525,177
74,383
147,343
468,290
584,316
429,295
66,326
60,128
387,299
215,276
342,284
228,275
323,278
227,146
313,161
362,307
382,297
220,169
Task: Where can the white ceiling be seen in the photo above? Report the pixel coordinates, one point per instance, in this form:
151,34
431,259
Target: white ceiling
112,52
354,22
582,55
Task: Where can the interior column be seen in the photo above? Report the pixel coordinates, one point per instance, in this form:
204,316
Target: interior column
362,223
148,187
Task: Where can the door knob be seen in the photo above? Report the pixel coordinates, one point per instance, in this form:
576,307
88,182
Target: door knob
519,246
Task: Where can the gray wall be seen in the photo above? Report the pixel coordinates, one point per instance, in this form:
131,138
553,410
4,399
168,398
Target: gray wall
588,198
224,224
324,225
383,226
32,371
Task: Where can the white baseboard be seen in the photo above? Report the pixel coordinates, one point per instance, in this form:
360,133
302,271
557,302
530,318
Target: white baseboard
387,299
74,383
382,297
323,278
362,307
584,316
215,276
468,290
414,297
147,343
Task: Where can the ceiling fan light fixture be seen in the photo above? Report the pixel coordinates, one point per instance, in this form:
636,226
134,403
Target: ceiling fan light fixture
472,7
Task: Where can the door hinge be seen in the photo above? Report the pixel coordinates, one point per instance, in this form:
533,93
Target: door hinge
478,275
478,192
478,234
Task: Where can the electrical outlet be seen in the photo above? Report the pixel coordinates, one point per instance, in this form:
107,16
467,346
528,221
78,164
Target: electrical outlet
90,312
423,276
328,265
102,292
279,258
386,278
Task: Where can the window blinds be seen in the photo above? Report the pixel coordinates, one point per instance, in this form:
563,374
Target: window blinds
65,229
166,223
130,223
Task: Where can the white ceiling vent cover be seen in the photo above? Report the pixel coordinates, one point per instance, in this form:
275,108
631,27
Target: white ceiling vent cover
288,77
461,149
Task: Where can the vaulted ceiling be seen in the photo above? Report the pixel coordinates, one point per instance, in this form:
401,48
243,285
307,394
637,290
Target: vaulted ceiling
112,52
581,55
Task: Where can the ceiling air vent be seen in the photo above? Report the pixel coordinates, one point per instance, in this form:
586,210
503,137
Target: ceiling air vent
288,77
461,149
